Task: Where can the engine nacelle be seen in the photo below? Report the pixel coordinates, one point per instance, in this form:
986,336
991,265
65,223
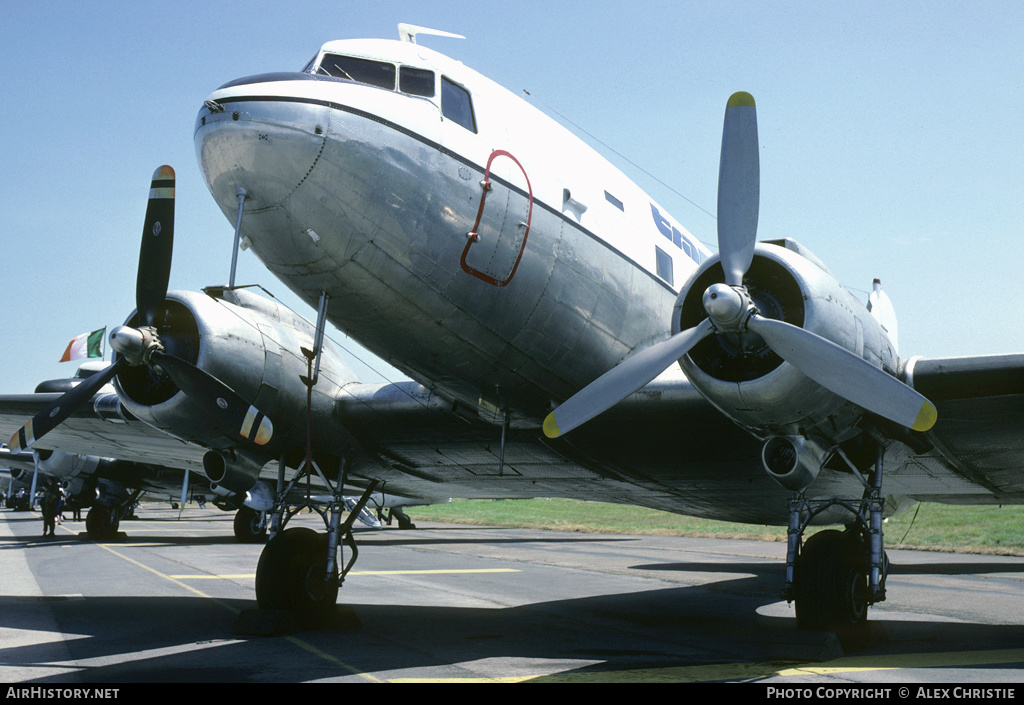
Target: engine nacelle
251,344
77,472
746,380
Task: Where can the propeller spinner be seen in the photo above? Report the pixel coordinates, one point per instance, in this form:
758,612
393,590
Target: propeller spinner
141,346
731,310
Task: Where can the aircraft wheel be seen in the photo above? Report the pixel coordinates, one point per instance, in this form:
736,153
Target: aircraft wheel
101,523
290,576
830,583
249,526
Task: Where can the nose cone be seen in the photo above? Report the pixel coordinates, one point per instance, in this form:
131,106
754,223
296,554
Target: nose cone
723,303
259,142
127,341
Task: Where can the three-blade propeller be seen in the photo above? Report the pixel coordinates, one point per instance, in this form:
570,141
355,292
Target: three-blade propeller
730,310
141,346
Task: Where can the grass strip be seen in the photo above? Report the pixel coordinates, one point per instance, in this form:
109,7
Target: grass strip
994,530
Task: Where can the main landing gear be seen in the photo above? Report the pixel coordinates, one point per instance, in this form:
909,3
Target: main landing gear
300,570
250,526
834,576
102,523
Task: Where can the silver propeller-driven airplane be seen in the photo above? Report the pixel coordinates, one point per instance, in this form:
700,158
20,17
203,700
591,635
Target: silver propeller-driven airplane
540,301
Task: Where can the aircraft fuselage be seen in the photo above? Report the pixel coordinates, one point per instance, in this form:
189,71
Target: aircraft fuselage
490,254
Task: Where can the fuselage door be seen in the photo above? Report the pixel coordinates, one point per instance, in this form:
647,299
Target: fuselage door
497,241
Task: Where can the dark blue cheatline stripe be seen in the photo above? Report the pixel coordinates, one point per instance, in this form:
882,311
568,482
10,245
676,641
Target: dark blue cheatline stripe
443,150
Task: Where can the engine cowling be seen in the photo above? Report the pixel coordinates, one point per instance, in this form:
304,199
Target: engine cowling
251,344
748,382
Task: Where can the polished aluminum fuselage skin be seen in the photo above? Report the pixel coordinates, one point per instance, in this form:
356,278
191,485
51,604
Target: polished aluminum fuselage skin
368,194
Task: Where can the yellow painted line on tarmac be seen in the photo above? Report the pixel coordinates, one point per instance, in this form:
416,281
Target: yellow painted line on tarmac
434,572
358,572
194,576
888,662
157,573
750,671
293,640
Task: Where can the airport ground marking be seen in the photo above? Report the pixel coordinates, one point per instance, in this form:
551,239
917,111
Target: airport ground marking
196,576
737,672
291,639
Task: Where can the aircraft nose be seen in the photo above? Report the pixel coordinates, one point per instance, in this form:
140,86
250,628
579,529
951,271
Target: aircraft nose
267,147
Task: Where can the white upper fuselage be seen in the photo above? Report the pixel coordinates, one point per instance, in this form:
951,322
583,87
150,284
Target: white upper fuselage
370,193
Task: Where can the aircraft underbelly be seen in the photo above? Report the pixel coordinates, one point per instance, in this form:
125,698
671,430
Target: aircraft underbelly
380,221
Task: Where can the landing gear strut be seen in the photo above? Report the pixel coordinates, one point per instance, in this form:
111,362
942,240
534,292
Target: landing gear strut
835,576
299,569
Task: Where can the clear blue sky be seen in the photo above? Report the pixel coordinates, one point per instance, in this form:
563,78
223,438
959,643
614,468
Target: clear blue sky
891,138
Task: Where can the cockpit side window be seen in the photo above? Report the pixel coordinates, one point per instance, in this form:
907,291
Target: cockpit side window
308,68
416,81
374,73
456,104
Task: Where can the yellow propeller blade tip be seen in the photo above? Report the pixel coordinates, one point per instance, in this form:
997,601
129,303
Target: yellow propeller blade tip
926,418
551,429
740,98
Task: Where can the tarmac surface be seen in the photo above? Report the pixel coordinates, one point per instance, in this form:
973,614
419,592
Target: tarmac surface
173,601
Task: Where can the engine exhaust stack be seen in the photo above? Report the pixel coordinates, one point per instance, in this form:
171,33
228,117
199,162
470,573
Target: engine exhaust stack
792,461
231,470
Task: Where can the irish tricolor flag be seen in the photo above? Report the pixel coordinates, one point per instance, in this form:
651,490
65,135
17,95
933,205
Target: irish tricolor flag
85,345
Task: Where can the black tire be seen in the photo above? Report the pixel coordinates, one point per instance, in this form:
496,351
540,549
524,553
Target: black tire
290,573
830,582
101,524
249,526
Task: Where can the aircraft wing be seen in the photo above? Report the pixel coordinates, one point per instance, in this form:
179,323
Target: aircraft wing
665,446
980,427
18,460
107,435
422,446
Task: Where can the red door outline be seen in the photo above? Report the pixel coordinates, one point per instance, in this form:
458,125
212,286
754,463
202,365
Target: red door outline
473,236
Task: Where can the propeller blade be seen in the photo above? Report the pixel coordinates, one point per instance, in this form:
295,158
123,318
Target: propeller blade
846,374
233,413
738,188
47,419
622,380
157,244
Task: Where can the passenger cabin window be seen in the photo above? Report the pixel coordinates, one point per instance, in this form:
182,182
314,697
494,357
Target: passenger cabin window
416,81
456,104
664,264
374,73
614,201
